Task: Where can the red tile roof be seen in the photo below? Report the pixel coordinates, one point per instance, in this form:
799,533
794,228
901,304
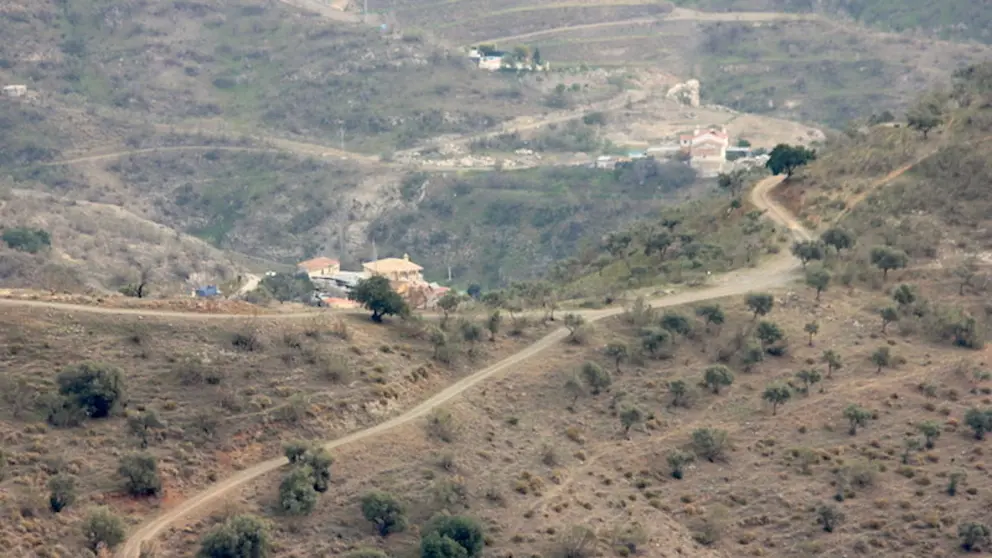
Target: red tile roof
318,263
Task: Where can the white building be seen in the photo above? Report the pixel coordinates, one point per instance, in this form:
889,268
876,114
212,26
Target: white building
15,90
707,150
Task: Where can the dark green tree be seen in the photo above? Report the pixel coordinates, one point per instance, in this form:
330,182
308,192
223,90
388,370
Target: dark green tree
595,377
979,421
973,536
677,460
62,492
886,258
296,493
856,416
811,329
679,390
904,295
881,357
378,296
833,361
787,158
769,333
711,314
776,395
465,531
140,472
717,376
889,315
808,377
97,389
760,304
384,511
26,239
839,238
618,352
242,536
676,323
286,287
808,250
819,279
103,529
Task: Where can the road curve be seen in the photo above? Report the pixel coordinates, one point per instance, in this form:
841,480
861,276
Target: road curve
775,272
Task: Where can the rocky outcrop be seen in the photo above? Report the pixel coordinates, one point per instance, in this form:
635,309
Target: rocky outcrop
686,93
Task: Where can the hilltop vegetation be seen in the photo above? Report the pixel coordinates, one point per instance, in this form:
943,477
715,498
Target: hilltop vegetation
933,203
250,66
494,228
953,19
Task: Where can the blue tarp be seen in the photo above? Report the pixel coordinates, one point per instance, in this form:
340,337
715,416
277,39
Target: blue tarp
209,290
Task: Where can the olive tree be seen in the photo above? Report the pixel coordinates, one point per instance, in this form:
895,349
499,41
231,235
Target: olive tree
776,395
717,376
856,416
241,536
140,472
677,460
760,304
819,279
887,258
384,511
103,529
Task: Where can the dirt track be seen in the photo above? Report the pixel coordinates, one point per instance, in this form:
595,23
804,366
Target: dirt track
775,272
679,14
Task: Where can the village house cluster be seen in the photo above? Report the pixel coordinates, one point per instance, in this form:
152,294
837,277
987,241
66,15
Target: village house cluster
405,277
708,151
521,58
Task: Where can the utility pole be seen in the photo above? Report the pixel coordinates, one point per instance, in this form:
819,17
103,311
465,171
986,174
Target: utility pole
342,137
365,12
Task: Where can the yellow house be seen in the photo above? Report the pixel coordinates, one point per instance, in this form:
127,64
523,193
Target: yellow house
395,269
320,267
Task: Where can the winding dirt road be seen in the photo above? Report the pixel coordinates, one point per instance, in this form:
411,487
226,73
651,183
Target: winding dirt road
775,272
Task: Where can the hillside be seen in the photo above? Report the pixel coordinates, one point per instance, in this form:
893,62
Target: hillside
249,66
222,394
97,246
933,204
954,19
817,69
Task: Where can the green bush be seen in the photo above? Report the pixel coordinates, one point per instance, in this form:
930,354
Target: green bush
709,443
384,511
464,531
103,529
242,536
62,492
140,472
27,239
296,493
95,388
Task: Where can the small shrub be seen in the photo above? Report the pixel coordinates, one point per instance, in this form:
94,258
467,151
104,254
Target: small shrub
577,542
464,531
441,425
595,377
140,472
709,443
97,389
103,529
829,517
296,493
677,460
385,512
242,536
62,492
973,535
